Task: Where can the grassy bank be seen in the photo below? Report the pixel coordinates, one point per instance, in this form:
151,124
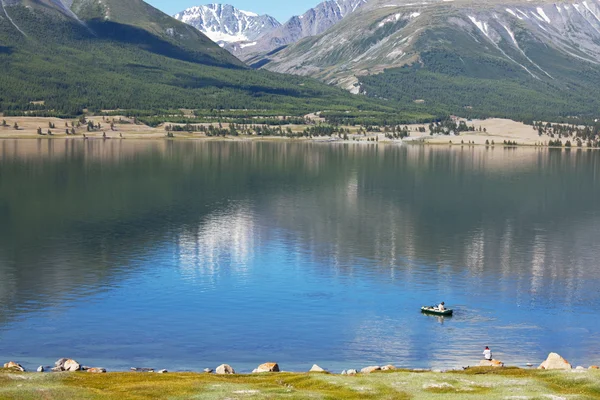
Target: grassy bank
474,383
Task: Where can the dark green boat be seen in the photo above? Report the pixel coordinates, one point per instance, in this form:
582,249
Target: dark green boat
435,311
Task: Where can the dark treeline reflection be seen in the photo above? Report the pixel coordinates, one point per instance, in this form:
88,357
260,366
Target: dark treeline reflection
76,215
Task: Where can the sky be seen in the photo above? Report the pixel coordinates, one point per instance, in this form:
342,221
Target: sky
280,9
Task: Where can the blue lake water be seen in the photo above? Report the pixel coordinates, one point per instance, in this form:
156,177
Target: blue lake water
185,255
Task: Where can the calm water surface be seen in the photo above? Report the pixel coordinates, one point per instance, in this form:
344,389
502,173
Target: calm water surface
186,255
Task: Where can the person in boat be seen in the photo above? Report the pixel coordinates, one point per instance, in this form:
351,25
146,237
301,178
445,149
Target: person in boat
487,353
441,306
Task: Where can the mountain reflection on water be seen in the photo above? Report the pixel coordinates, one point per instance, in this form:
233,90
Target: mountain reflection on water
185,255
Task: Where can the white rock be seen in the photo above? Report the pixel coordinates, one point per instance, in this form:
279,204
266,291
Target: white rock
554,361
351,372
71,366
224,369
267,367
491,363
40,368
162,371
368,370
316,368
14,366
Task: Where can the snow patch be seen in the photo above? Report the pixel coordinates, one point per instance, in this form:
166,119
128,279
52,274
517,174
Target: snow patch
483,26
249,13
540,11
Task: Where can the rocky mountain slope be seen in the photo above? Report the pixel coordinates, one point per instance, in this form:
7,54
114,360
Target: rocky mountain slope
533,50
313,22
61,57
224,23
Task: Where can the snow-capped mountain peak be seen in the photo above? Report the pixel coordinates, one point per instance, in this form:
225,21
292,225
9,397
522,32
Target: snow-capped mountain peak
224,23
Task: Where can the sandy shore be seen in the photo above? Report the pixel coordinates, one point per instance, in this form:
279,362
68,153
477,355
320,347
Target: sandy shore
496,130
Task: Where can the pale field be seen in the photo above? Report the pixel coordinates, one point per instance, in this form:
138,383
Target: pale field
498,130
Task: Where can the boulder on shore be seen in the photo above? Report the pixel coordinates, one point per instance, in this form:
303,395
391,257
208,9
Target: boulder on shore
368,370
388,367
491,363
96,370
316,368
351,372
14,365
40,368
71,366
267,367
208,370
66,364
224,369
594,367
555,361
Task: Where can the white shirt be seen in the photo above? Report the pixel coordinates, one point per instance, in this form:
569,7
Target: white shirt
487,354
441,307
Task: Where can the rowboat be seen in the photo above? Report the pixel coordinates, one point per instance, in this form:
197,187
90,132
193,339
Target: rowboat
435,311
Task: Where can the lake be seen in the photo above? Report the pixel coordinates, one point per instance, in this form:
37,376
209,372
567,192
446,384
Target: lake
186,254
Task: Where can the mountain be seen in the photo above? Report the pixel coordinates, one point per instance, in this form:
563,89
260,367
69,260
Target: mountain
58,58
502,57
223,23
313,22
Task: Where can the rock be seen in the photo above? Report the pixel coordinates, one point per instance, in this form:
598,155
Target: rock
60,363
162,371
14,365
388,367
40,368
267,367
208,370
225,369
368,370
316,368
96,370
580,368
71,366
554,361
142,369
344,372
351,372
594,367
491,363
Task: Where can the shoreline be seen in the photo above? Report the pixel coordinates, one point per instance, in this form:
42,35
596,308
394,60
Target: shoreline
479,382
490,133
553,361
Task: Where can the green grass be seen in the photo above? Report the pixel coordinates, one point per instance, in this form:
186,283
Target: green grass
474,383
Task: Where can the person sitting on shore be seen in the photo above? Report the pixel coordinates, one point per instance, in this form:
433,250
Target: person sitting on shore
441,307
487,354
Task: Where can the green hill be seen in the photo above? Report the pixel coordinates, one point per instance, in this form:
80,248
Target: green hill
128,55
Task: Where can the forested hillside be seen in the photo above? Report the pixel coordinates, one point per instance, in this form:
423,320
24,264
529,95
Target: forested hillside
57,62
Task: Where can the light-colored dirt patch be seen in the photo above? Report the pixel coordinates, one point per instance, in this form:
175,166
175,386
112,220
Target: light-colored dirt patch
494,129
